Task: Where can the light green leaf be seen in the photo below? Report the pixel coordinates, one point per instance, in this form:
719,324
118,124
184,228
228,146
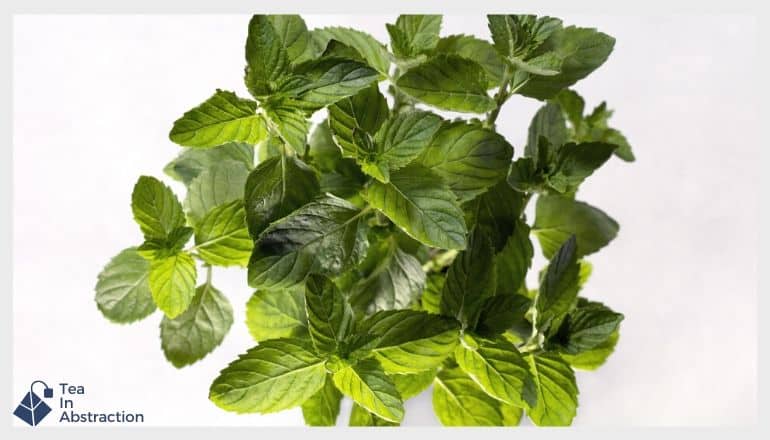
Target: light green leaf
215,186
368,385
289,121
272,314
122,289
558,286
275,188
458,401
276,375
294,36
326,236
361,417
192,161
156,208
156,248
592,359
374,52
514,260
431,296
558,217
556,390
421,204
410,341
582,51
497,367
412,35
470,280
477,50
192,335
221,237
391,279
511,414
448,82
549,123
587,327
400,139
468,157
410,385
267,61
172,283
323,407
220,119
329,316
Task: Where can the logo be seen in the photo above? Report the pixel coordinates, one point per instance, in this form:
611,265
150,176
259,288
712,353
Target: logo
32,408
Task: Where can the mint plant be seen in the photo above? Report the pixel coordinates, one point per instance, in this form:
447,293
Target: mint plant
388,246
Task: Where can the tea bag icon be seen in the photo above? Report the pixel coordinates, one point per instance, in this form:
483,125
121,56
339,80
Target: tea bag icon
32,408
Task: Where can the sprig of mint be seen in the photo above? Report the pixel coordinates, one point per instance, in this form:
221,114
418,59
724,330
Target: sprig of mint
388,247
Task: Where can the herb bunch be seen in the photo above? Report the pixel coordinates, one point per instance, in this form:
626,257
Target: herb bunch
388,246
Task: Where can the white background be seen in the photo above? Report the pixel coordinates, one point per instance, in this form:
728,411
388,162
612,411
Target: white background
95,96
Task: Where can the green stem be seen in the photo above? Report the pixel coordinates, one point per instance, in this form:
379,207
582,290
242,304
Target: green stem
208,273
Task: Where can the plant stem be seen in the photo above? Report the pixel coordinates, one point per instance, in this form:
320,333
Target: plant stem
208,273
501,96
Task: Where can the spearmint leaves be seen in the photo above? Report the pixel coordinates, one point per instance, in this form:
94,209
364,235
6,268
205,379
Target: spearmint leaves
388,243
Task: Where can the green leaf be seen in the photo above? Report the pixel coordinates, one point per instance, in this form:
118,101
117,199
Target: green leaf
215,186
559,285
576,162
122,288
559,217
221,237
323,407
272,314
276,375
192,161
587,327
592,359
330,79
458,401
294,36
514,260
267,60
156,248
329,316
412,35
374,52
421,204
431,296
549,123
290,122
391,279
156,208
400,139
368,385
275,188
496,212
361,417
470,280
582,51
365,111
477,50
172,283
498,368
556,390
410,385
511,414
326,236
593,127
448,82
468,157
410,341
220,119
195,333
517,37
502,312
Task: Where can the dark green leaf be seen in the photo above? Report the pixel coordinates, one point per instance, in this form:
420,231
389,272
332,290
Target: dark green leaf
587,327
496,212
548,123
559,285
374,52
329,316
477,50
576,162
471,279
514,260
330,79
503,312
267,60
294,36
323,407
592,359
412,35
